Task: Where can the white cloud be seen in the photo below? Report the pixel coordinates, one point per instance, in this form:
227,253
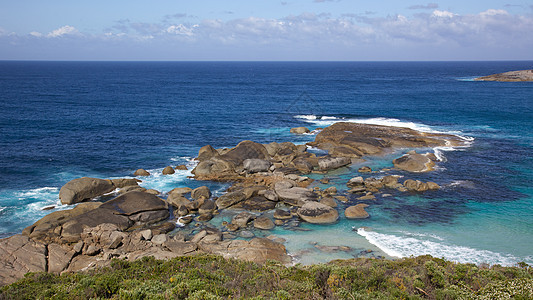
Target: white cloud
442,14
320,34
36,34
181,29
494,12
62,31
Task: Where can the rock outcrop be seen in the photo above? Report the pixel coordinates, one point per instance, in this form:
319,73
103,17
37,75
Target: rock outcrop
512,76
355,140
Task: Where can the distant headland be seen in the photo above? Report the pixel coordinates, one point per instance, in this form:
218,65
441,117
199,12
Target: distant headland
512,76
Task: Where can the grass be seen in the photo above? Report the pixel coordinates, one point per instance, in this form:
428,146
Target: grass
213,277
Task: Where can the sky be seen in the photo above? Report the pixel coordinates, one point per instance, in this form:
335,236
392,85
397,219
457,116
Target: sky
264,30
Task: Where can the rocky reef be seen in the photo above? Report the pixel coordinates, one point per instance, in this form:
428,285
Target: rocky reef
269,188
512,76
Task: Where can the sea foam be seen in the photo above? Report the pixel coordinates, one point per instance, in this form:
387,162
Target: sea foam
324,121
415,245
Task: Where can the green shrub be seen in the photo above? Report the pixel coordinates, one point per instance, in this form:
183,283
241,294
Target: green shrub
213,277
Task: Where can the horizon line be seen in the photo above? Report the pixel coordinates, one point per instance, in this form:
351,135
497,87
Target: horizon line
272,61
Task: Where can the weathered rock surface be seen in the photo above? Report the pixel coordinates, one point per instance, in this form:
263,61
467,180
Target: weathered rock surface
230,199
356,211
415,162
177,200
242,219
264,223
317,213
512,76
202,191
258,250
84,188
256,203
19,255
330,163
124,182
296,196
280,214
180,190
254,165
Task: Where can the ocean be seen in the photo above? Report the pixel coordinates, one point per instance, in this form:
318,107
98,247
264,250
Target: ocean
64,120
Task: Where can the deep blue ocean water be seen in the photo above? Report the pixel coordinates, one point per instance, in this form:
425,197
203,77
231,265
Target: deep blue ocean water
63,120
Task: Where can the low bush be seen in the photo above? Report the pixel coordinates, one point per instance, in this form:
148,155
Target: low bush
213,277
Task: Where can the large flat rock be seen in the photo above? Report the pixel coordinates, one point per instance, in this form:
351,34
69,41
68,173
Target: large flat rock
134,202
344,139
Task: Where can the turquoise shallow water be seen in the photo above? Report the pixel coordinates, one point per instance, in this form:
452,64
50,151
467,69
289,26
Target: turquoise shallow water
61,120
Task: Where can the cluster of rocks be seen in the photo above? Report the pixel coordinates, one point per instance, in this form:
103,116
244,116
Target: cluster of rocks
131,226
371,185
249,157
266,178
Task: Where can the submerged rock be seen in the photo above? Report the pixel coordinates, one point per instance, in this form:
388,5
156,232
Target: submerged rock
364,169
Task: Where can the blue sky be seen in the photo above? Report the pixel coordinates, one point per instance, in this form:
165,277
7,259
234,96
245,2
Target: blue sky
266,30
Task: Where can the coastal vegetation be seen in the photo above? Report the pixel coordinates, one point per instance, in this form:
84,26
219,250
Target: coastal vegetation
213,277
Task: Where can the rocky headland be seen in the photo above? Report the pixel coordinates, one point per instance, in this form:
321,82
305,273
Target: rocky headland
269,189
512,76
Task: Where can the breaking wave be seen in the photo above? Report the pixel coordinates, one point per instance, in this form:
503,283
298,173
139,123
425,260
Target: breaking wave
416,245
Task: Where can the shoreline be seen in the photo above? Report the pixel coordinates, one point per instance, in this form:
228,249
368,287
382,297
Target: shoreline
256,187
